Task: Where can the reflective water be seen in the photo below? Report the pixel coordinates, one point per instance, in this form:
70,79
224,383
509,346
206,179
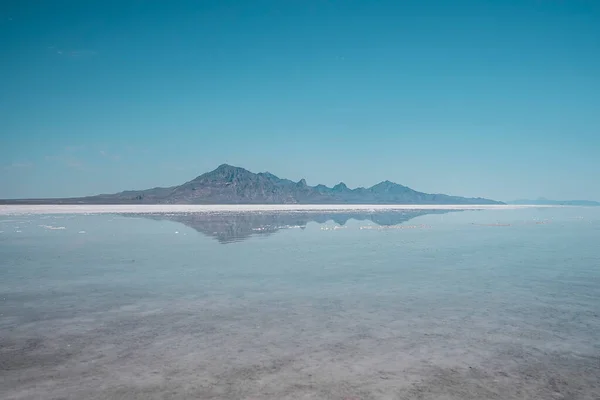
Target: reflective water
388,305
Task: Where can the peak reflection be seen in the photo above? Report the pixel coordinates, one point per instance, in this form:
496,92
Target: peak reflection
231,227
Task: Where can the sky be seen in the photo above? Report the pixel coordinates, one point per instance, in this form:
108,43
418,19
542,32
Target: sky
498,99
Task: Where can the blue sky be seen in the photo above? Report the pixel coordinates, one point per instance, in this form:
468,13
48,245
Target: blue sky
478,98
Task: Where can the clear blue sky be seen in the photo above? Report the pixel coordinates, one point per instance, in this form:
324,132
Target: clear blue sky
479,98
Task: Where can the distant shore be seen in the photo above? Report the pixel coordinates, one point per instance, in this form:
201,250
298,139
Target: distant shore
192,208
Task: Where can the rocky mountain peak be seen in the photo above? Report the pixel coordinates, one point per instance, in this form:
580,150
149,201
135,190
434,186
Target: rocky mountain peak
340,187
302,183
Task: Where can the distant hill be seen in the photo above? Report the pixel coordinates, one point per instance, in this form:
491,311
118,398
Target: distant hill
546,202
233,185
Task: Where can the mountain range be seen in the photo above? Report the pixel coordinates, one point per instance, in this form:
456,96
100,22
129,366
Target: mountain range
234,185
546,202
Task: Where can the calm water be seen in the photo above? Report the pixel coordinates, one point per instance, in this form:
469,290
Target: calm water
448,305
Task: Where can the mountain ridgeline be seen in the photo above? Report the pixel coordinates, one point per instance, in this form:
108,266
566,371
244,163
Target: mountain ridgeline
233,185
546,202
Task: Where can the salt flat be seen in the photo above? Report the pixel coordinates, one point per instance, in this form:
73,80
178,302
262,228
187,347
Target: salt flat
495,304
177,208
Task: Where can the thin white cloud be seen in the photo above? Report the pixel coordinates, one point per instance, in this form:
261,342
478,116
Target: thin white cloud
76,164
110,156
19,165
66,161
81,53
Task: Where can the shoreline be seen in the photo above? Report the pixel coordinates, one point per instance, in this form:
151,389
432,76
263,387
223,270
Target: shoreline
194,208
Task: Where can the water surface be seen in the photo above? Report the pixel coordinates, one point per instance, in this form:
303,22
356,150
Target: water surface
494,304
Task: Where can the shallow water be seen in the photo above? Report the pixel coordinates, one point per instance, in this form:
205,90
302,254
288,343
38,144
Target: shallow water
494,304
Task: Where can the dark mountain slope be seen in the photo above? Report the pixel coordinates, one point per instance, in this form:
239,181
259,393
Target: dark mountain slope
233,185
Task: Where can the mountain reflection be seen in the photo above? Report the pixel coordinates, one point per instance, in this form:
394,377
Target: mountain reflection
233,227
